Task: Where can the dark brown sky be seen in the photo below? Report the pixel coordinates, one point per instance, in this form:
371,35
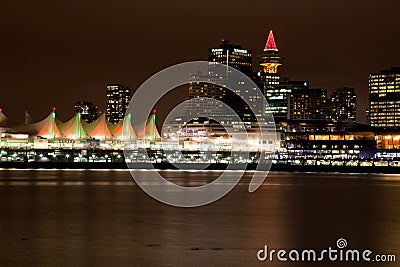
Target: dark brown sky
56,52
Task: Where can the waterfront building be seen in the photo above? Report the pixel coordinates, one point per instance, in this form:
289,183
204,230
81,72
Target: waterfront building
74,131
325,143
343,105
73,128
302,143
118,98
387,139
89,112
384,98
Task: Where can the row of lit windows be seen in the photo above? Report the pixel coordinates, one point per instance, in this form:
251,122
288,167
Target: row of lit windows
384,85
394,82
384,102
384,90
384,76
375,113
383,110
238,54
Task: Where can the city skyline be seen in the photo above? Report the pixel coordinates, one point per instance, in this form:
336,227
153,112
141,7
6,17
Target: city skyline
53,59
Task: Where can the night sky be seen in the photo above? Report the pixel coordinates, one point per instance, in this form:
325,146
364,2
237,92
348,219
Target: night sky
56,52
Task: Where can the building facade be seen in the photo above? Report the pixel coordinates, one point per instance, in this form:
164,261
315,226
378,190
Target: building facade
384,98
308,104
118,98
324,143
343,105
199,92
277,96
232,55
89,112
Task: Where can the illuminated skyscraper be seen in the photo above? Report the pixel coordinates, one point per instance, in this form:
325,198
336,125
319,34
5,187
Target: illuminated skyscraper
205,90
277,96
384,98
89,112
270,60
118,98
343,105
231,55
269,80
308,104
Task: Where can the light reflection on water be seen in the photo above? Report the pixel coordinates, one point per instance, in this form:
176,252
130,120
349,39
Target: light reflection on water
100,217
51,177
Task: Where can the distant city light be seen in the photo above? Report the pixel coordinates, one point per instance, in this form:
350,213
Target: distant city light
244,51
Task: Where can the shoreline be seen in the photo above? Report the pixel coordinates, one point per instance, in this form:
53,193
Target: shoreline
213,166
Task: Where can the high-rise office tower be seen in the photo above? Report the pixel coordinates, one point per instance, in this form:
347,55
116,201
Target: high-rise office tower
118,98
308,104
277,96
200,91
343,105
89,112
233,56
384,98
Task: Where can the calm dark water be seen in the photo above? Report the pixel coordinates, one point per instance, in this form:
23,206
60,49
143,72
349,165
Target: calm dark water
101,218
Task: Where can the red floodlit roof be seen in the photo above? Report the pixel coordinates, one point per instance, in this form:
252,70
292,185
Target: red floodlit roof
270,45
